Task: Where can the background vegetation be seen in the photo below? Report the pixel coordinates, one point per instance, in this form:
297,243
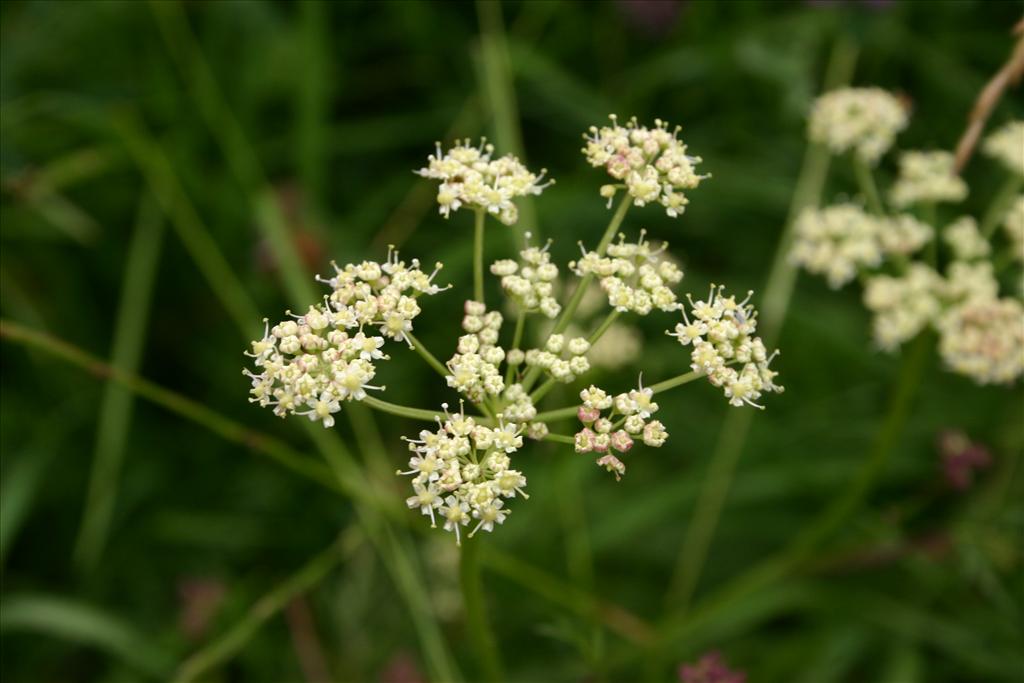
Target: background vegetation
173,172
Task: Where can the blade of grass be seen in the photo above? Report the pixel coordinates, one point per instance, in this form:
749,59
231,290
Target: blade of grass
616,618
778,291
165,186
178,404
116,409
496,83
347,473
312,99
241,632
61,618
227,132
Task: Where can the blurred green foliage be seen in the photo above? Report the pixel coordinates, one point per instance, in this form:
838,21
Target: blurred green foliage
233,128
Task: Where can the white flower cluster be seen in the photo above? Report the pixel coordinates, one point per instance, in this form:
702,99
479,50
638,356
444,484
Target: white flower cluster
903,305
561,358
841,240
470,177
462,471
628,419
865,120
650,163
984,339
927,177
634,277
474,367
906,304
531,282
722,334
1006,146
308,365
965,240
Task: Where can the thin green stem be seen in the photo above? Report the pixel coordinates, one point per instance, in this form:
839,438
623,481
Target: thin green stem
414,413
542,390
581,287
674,382
778,291
1000,205
605,324
866,180
517,339
178,404
235,638
822,526
426,355
560,438
478,625
478,255
560,414
570,411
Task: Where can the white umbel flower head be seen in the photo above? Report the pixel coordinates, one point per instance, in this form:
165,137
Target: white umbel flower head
904,305
927,177
634,276
470,177
862,120
1006,146
836,242
651,164
720,332
984,340
461,473
309,364
530,282
966,241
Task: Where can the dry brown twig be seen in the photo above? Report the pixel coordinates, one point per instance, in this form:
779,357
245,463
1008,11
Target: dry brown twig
989,96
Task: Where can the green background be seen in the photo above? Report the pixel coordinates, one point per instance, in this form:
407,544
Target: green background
212,129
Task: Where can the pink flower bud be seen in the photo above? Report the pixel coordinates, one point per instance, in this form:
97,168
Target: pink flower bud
621,441
612,464
588,415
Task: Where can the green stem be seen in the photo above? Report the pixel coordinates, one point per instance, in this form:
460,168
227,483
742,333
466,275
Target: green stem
675,381
542,390
560,438
866,180
552,415
178,404
432,361
235,638
414,413
778,292
584,283
478,625
1000,205
570,411
605,324
478,256
929,213
823,525
517,339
